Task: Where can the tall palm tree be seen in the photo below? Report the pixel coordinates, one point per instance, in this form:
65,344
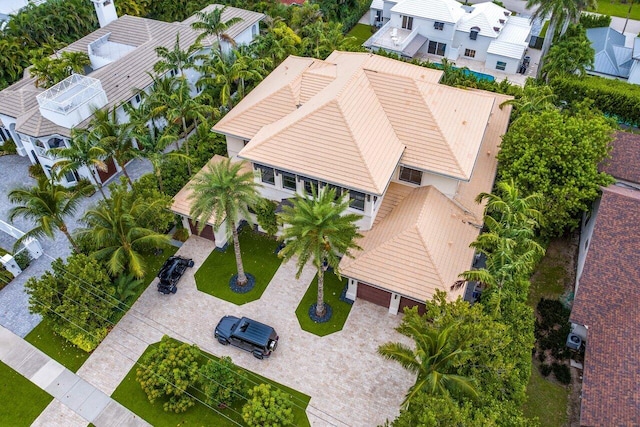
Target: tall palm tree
176,58
48,205
535,98
224,192
435,360
113,137
113,227
83,152
212,24
318,229
561,12
509,208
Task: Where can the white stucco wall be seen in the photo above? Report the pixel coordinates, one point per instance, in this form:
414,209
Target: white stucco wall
480,45
492,60
586,231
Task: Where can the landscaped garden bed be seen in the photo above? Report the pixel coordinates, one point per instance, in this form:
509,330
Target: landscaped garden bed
21,400
333,288
259,259
130,394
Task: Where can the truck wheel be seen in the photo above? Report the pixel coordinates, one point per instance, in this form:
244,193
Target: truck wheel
222,341
258,355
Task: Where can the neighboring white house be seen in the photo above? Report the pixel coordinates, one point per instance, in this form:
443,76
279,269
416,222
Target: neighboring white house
122,55
483,32
411,154
12,7
613,58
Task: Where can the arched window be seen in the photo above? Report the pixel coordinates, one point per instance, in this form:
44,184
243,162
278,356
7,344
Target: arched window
473,35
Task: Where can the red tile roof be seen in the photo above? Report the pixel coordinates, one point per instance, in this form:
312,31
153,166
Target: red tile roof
625,157
290,2
608,303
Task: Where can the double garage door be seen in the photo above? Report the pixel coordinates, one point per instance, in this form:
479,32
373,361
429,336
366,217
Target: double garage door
383,298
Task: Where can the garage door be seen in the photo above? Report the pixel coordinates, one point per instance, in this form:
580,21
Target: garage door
406,302
111,169
207,231
374,295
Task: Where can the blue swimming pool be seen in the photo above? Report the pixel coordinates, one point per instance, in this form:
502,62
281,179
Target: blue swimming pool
467,72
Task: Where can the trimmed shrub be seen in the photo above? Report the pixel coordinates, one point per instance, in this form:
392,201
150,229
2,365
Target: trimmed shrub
589,20
222,382
562,373
267,407
266,215
545,369
181,234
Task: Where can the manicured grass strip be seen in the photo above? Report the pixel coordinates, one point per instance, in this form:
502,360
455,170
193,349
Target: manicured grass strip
259,259
21,401
332,290
130,394
545,400
617,8
361,32
53,345
71,357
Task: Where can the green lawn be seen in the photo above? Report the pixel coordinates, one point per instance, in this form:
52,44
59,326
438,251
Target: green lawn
53,345
546,400
21,401
259,259
616,8
44,338
332,290
130,394
361,32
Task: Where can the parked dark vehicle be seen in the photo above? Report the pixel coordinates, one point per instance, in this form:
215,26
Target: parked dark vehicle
171,272
259,339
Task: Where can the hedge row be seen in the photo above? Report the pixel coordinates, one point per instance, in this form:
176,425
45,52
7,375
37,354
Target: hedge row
615,98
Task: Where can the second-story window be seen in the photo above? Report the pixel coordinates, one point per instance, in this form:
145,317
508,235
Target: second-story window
267,174
310,186
288,181
407,22
356,200
413,176
438,25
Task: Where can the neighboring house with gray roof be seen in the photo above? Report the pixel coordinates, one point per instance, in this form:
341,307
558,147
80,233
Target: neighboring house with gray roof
483,32
122,55
612,57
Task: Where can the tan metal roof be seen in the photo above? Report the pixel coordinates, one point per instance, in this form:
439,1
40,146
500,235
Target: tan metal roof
120,78
357,115
421,246
486,166
181,203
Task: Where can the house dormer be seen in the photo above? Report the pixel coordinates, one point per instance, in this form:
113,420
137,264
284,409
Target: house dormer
103,51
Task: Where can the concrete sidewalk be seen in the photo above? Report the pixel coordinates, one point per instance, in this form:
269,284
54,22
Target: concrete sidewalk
80,401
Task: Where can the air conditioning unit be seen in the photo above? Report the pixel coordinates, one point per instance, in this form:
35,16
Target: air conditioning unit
574,341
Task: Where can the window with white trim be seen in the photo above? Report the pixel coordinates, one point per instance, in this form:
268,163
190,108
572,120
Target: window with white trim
470,53
267,174
356,200
288,181
407,22
438,26
501,65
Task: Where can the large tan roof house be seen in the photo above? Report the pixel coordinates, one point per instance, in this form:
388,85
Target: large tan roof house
411,153
122,54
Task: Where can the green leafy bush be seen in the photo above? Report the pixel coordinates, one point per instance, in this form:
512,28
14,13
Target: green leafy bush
168,371
590,20
23,259
615,98
35,171
545,369
76,297
222,382
266,215
181,234
562,373
9,147
267,407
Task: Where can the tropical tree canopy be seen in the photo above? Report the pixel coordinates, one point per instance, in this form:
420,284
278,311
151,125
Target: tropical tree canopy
319,229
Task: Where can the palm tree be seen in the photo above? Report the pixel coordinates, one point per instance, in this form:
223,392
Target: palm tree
510,209
113,227
48,205
211,24
113,137
435,360
319,229
176,59
224,192
152,146
535,98
561,12
83,152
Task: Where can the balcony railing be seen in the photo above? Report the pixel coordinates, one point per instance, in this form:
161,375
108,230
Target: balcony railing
69,94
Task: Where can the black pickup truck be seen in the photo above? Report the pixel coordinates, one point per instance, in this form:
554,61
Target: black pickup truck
171,272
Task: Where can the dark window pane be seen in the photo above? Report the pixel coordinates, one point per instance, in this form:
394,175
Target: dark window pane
310,185
357,200
267,174
289,181
410,175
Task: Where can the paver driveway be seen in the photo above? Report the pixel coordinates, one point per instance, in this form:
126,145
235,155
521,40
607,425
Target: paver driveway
348,382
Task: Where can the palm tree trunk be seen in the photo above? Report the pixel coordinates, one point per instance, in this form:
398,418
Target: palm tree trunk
548,38
320,309
124,171
186,144
95,181
242,278
65,231
159,176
